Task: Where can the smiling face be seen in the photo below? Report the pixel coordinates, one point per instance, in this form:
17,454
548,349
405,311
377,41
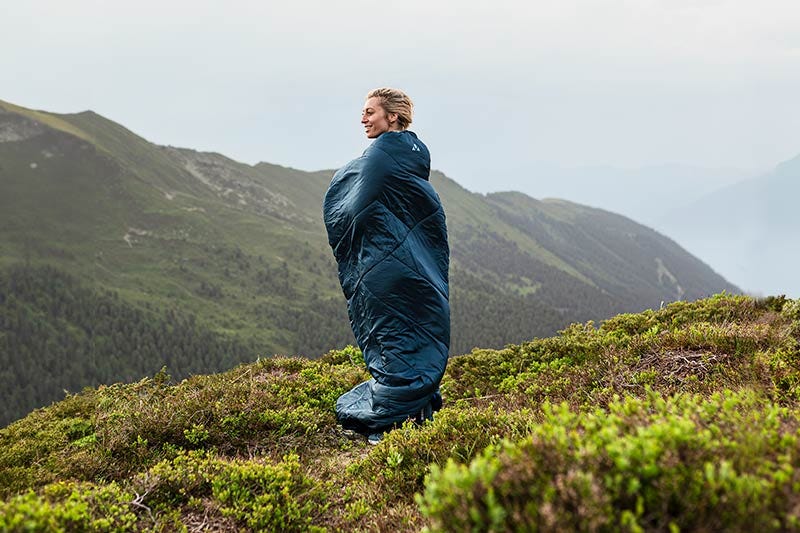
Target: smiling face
375,119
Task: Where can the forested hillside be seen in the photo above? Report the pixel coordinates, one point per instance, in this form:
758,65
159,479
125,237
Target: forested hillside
183,239
60,335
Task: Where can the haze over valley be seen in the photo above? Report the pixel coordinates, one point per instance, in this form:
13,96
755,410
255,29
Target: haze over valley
744,224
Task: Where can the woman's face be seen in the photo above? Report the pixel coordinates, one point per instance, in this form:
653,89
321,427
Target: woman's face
375,119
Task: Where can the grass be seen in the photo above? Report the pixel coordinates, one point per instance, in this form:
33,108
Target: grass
684,418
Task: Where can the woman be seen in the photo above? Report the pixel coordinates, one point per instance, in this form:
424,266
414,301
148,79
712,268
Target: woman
387,229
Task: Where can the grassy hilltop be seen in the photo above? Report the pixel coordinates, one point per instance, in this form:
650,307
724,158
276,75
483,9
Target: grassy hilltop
684,418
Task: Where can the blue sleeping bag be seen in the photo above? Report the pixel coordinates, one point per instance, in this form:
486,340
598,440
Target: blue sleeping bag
387,229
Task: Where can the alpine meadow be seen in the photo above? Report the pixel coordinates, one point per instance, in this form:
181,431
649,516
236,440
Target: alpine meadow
173,338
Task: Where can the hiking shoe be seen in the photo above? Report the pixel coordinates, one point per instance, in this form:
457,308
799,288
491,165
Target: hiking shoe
424,414
374,438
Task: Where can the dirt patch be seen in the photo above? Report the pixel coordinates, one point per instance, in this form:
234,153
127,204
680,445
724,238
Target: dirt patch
679,365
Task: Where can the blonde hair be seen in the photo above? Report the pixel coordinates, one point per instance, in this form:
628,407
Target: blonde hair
395,101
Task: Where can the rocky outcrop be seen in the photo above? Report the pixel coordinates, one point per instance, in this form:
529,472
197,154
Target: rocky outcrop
15,127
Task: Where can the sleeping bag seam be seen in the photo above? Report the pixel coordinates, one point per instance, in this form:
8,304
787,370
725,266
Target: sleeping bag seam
376,200
355,216
424,278
411,321
399,243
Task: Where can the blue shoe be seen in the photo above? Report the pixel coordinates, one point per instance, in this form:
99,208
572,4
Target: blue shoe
374,438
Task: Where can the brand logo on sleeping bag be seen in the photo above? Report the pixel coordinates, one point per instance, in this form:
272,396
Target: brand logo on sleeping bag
415,148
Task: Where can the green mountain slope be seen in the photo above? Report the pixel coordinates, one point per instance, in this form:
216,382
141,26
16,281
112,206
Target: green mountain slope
241,250
611,252
681,419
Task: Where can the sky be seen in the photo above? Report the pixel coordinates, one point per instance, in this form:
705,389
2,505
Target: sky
500,87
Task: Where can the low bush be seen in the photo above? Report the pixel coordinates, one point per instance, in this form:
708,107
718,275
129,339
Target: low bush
70,507
680,418
273,406
727,463
258,495
397,467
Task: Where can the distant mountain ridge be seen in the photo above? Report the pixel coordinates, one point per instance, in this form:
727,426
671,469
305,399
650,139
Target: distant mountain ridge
748,229
240,251
643,194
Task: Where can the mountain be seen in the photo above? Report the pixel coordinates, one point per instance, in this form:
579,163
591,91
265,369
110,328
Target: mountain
165,246
679,419
644,194
747,230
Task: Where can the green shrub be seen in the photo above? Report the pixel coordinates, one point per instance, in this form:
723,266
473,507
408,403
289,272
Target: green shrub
700,347
70,507
34,450
647,435
726,463
349,356
274,405
488,372
397,467
791,309
256,494
269,497
719,309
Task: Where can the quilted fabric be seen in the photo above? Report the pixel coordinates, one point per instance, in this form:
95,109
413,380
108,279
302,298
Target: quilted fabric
387,229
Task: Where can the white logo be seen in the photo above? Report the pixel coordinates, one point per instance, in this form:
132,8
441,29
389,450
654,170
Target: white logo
415,148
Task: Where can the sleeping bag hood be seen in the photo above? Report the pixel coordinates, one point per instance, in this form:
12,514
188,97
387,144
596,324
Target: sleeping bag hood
387,229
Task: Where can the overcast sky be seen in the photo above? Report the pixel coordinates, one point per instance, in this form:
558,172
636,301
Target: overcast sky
498,85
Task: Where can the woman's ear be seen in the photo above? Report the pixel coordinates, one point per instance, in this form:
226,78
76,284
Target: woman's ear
392,118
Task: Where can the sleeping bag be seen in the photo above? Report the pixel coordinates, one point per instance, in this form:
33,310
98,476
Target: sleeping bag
386,227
